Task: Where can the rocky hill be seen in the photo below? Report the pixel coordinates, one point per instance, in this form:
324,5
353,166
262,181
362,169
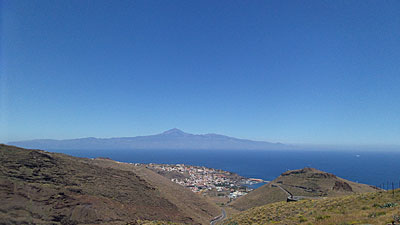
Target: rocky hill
38,187
305,183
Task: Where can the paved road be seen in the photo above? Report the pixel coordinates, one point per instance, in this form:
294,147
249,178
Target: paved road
284,190
219,218
291,196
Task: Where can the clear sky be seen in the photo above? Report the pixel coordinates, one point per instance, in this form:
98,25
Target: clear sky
317,72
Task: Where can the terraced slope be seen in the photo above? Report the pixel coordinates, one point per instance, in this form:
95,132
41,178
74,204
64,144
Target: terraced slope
304,182
38,187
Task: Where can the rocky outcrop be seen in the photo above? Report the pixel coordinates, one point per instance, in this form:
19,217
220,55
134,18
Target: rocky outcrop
310,172
342,186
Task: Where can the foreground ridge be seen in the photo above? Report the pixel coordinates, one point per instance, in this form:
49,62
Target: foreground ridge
381,207
38,187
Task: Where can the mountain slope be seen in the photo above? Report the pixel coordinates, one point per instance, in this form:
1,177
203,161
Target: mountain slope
368,208
38,187
195,205
306,182
171,139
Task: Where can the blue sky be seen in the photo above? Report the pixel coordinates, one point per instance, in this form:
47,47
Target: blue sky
315,72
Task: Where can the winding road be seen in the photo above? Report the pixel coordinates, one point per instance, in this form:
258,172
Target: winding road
292,197
219,218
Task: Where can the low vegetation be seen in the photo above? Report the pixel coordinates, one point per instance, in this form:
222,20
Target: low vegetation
307,182
38,187
146,222
368,208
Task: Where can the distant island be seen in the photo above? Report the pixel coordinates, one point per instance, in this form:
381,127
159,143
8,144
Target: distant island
170,139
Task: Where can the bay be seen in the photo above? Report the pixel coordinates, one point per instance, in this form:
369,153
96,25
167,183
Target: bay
370,167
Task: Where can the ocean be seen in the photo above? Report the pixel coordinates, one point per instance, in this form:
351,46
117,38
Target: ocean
370,167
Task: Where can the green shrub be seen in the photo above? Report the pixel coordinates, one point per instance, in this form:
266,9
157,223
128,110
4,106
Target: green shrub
322,217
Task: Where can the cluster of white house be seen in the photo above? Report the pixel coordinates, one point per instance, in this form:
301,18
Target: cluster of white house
200,179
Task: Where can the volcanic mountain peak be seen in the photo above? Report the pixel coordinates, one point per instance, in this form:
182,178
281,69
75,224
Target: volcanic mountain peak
174,131
170,139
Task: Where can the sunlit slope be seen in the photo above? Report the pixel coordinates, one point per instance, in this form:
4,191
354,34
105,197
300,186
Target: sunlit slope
38,187
306,182
366,208
188,202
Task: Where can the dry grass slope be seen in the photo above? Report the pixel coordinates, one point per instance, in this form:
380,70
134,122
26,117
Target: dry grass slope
367,208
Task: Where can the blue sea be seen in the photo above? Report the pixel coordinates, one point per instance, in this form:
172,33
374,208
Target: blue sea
374,168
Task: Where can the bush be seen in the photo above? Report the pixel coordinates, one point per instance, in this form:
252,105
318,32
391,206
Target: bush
302,219
322,217
376,214
389,205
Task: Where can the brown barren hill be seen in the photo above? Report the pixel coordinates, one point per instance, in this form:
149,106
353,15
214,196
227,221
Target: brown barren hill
307,182
38,187
196,205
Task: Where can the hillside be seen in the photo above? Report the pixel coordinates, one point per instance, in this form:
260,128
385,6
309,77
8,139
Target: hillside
38,187
171,139
307,182
192,204
367,208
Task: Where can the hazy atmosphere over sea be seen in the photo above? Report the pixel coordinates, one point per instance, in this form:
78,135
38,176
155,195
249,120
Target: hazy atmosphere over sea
227,112
312,72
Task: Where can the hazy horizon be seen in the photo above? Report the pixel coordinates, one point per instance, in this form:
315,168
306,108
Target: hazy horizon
312,73
290,146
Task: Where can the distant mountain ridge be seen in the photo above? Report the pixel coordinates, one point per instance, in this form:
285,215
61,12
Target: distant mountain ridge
170,139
